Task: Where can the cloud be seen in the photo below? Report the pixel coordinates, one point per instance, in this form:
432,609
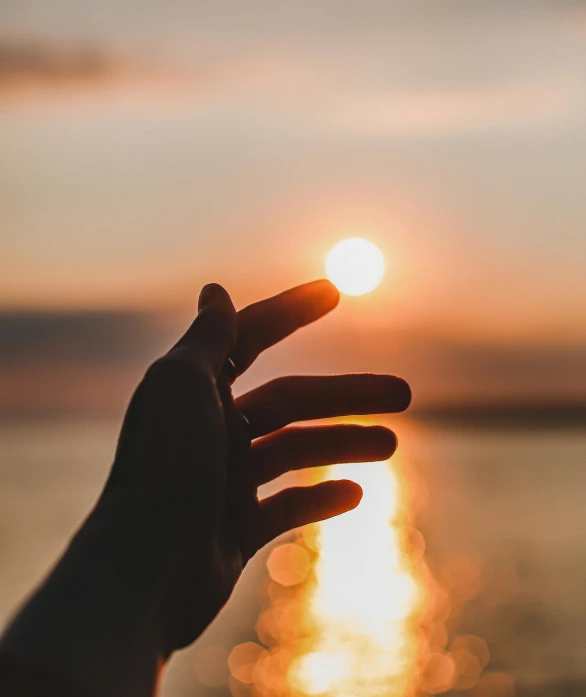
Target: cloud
35,64
457,110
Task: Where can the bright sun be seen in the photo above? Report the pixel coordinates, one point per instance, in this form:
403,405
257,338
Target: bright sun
355,266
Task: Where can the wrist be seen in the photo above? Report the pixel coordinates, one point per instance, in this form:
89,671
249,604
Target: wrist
93,621
160,559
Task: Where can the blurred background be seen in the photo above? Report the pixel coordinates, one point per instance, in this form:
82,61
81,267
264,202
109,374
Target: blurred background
147,148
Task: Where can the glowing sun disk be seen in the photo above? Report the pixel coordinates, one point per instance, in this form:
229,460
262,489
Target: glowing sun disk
355,266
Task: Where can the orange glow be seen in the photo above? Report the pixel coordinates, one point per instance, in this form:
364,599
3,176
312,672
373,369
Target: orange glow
352,625
366,596
353,608
243,659
289,564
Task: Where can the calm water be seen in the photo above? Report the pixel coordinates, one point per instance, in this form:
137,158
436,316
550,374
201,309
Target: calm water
514,503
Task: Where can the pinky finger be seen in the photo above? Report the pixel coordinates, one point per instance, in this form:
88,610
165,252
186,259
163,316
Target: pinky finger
298,506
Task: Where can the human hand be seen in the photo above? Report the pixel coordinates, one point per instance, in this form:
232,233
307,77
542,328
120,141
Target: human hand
188,464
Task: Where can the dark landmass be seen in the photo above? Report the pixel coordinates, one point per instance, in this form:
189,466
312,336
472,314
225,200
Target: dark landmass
557,417
86,364
514,416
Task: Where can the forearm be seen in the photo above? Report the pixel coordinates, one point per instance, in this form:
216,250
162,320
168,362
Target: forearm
94,621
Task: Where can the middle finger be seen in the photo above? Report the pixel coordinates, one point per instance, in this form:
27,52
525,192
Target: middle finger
304,398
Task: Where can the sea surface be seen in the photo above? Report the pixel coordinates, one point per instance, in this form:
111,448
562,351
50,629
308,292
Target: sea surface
511,504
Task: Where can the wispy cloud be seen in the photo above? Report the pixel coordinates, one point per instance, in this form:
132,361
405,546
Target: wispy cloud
463,110
40,65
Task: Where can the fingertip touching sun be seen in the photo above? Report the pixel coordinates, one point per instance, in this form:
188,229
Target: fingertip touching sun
355,266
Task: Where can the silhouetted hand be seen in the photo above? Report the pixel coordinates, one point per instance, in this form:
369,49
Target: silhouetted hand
179,517
185,460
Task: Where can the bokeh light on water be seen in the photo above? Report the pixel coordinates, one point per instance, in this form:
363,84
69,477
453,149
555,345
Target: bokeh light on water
354,610
366,595
344,601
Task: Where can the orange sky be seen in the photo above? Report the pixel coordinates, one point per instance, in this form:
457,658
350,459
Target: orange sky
203,144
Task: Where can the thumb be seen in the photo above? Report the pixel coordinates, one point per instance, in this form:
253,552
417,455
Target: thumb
212,335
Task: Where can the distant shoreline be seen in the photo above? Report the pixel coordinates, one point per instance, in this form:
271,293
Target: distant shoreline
564,416
515,416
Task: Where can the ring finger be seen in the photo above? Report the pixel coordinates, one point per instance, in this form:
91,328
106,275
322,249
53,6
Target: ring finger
297,448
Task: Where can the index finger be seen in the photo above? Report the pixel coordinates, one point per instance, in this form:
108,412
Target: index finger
265,323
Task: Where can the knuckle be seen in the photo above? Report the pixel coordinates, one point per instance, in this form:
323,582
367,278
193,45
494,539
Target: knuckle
279,397
165,368
281,389
176,369
292,441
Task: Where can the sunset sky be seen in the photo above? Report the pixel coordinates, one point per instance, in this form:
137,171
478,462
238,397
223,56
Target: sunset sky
148,148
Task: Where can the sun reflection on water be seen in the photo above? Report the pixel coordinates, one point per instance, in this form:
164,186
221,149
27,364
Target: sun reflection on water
353,610
365,596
